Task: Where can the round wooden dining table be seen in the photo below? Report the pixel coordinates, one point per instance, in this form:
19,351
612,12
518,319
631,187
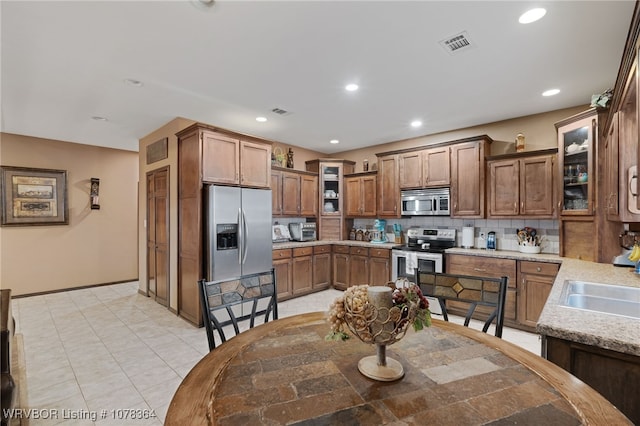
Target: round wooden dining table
286,372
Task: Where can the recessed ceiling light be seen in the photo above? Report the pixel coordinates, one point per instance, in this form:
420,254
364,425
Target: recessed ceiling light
261,119
98,118
334,141
532,15
416,123
352,87
132,82
550,92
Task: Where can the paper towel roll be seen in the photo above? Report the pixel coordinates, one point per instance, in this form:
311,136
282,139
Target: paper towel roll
468,233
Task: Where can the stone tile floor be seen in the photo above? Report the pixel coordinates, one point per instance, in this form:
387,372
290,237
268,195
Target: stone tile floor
103,352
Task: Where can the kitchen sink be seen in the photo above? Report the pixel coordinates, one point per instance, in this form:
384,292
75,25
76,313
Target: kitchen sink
603,298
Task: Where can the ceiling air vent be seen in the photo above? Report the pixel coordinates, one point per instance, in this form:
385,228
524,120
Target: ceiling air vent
457,43
280,111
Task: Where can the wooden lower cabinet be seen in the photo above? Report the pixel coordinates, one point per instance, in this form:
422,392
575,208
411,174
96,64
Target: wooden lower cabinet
341,260
284,273
528,288
379,266
302,270
358,266
488,267
535,280
615,375
321,267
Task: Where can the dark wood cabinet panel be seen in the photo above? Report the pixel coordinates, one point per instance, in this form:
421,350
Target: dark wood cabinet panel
388,187
284,278
616,376
308,196
535,282
379,270
360,198
220,158
436,167
358,270
467,179
321,271
577,238
341,270
302,274
290,194
410,170
255,164
522,187
276,193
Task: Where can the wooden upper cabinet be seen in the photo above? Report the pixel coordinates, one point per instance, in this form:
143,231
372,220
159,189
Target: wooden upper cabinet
612,184
388,186
294,193
360,198
255,164
424,168
521,186
504,188
436,169
537,186
228,160
308,195
276,193
220,158
410,170
467,179
290,194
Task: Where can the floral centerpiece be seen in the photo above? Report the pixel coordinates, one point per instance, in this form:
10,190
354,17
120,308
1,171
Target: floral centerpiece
379,315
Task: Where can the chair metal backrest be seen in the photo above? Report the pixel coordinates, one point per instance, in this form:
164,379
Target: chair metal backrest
475,290
232,300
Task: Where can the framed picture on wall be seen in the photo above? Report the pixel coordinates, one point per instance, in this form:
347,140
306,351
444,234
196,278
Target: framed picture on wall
33,196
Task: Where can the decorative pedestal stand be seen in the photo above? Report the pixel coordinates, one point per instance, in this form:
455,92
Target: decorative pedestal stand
382,324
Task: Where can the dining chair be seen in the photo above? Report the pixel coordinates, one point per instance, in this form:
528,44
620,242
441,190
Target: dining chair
230,301
474,290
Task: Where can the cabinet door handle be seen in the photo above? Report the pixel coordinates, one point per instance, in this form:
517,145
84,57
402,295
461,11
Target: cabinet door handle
538,269
479,269
522,206
515,206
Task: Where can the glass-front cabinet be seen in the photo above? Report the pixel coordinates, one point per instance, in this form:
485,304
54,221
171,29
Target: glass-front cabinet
576,142
331,189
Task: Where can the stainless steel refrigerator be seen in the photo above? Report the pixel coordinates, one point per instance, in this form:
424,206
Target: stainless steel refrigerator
238,231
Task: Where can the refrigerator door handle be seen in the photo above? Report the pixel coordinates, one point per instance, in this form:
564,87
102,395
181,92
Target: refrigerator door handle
240,236
245,237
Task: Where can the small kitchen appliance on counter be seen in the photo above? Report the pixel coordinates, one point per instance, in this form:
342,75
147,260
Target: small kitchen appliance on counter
379,234
303,231
491,241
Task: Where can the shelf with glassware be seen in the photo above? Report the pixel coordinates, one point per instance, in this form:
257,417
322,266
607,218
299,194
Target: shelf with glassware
331,190
575,139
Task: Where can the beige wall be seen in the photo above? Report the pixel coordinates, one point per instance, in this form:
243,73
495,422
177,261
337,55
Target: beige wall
97,246
539,130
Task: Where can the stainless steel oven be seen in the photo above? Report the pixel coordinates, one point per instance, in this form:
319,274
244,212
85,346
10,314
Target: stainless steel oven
424,251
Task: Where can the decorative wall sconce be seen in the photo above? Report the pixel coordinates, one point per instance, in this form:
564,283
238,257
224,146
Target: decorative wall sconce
95,190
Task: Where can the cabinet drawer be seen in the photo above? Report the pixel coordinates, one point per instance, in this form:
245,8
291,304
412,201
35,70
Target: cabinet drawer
341,249
482,266
362,251
281,254
302,251
376,252
321,249
541,268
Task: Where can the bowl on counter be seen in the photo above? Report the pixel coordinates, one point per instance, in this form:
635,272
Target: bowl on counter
529,249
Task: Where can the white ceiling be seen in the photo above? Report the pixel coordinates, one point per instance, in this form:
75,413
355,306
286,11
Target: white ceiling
226,64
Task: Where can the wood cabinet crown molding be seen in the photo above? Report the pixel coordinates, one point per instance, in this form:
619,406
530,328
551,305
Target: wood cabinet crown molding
522,154
226,132
434,145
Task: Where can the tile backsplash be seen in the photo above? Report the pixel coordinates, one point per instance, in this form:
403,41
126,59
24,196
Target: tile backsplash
505,229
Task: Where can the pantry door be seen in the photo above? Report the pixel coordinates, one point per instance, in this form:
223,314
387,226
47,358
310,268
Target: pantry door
158,235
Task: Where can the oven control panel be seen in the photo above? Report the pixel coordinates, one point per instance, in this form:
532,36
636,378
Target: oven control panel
432,234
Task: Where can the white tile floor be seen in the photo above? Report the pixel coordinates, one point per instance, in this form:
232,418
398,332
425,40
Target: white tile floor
107,348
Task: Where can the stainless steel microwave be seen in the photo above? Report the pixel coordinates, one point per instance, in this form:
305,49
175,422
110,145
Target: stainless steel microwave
426,202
